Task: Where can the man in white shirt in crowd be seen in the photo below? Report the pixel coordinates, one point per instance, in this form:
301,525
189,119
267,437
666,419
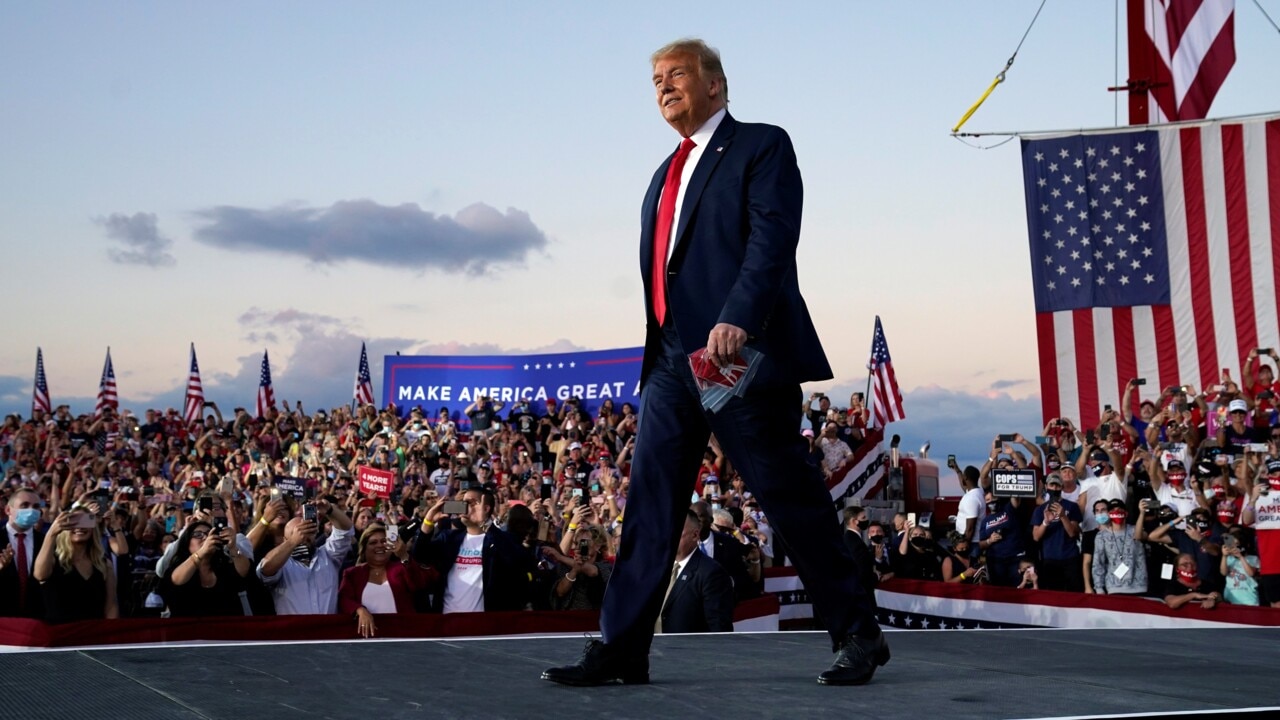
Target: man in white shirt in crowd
973,505
301,574
484,568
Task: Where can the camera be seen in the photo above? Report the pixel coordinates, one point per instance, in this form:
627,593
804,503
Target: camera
584,548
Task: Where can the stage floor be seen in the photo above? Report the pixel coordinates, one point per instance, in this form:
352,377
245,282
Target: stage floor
933,674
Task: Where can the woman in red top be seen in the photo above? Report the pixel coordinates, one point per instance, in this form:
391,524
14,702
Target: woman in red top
376,585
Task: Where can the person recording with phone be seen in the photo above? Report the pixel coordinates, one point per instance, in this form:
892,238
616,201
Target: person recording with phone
1056,526
206,574
302,574
1240,569
581,578
481,566
73,570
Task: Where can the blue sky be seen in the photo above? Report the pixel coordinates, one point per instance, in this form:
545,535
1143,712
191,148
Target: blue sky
250,175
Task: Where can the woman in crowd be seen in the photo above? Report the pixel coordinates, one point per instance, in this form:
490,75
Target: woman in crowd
958,566
1119,562
582,577
206,574
916,557
73,570
1240,570
378,586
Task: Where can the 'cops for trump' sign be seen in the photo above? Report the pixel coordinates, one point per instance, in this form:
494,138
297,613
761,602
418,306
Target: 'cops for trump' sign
1013,483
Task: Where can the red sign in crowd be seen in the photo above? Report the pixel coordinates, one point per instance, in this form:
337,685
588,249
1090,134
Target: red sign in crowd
375,482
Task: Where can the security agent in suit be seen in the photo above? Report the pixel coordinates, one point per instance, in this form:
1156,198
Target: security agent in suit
724,277
508,569
856,523
701,598
23,517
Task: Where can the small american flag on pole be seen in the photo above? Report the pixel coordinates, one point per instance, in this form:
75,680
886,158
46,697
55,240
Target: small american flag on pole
107,397
886,398
266,396
364,382
40,394
194,409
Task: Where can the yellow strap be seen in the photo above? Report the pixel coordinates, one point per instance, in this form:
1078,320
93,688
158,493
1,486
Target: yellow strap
965,118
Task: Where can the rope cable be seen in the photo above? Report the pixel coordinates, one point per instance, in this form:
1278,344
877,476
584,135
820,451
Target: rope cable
1001,75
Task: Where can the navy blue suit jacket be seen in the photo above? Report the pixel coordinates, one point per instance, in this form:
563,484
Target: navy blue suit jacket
702,599
9,581
733,253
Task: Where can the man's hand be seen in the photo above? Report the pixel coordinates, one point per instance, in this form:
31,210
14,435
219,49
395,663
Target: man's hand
724,342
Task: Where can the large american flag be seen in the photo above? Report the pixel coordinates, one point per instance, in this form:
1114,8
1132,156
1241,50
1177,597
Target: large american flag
107,396
886,398
266,396
1191,44
193,411
1152,256
40,392
364,382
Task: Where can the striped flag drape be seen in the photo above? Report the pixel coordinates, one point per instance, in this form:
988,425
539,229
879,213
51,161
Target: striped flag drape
107,397
40,391
364,382
886,398
1192,48
1153,256
266,395
193,410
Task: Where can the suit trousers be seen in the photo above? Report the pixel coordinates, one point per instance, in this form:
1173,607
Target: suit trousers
760,434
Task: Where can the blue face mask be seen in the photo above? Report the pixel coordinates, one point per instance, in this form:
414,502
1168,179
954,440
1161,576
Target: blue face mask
1102,519
27,518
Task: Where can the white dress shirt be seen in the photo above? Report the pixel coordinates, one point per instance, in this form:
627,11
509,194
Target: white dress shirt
29,542
701,138
310,590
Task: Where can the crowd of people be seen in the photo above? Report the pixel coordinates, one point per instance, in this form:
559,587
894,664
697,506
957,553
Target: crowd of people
1174,497
114,515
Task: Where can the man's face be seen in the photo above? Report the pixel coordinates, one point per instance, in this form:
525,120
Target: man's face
688,538
477,513
703,511
23,500
684,97
873,532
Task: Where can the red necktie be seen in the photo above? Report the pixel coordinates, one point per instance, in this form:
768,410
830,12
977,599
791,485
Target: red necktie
21,557
662,233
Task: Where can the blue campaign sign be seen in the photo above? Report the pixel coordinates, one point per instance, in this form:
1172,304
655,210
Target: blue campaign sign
433,382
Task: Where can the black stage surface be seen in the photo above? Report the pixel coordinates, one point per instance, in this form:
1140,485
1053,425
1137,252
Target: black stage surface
933,674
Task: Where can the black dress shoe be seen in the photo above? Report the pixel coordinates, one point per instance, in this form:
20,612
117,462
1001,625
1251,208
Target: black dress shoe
856,661
601,665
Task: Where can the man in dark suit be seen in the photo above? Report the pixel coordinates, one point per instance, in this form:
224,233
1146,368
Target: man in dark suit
700,597
20,542
856,523
719,228
483,567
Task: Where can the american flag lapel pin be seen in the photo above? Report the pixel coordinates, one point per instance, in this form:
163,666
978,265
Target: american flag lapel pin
720,149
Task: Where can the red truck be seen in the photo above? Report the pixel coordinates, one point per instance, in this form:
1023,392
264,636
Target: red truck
921,486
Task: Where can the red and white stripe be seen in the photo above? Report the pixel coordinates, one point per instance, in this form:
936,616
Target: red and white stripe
1192,44
40,401
1222,215
886,398
193,410
107,396
863,475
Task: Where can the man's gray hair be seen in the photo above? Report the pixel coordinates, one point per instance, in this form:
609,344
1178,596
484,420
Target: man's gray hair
709,64
723,518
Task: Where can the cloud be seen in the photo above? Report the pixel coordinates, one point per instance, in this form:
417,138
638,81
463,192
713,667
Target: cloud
1005,384
140,234
473,241
954,421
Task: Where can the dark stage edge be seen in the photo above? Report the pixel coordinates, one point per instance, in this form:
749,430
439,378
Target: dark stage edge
933,674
